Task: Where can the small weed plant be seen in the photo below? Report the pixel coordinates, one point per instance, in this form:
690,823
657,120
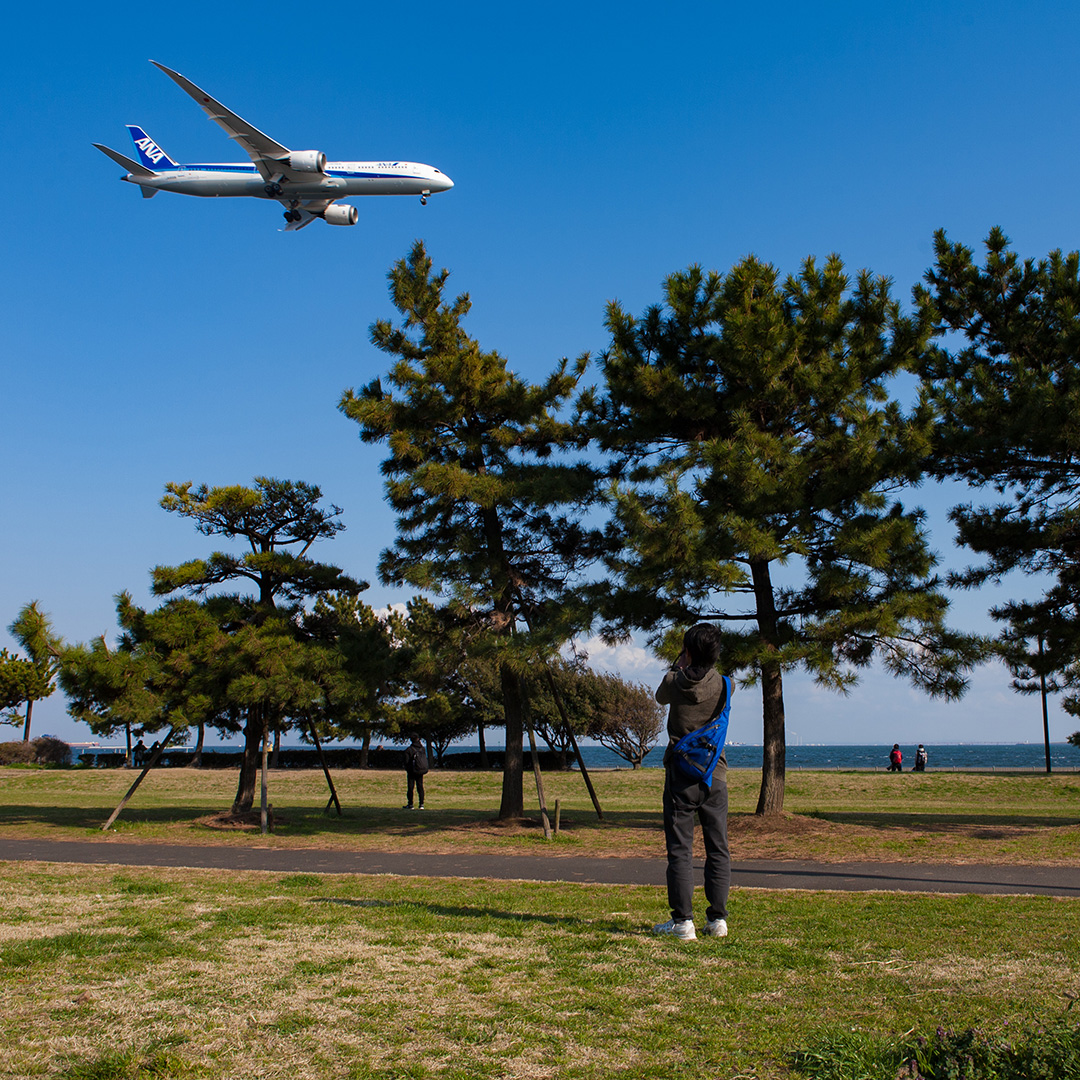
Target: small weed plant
1043,1052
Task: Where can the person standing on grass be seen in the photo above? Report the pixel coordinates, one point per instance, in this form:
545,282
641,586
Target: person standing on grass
920,759
693,690
416,765
896,759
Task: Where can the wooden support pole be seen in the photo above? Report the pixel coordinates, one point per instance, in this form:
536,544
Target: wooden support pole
573,740
565,719
1046,717
539,782
131,791
558,815
326,771
264,809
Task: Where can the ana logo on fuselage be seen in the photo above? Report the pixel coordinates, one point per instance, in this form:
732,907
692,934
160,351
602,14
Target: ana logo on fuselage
150,149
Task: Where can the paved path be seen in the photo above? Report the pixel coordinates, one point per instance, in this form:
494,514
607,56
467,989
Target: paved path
757,874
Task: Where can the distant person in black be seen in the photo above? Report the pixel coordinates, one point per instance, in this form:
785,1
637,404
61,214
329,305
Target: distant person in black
920,759
896,759
416,765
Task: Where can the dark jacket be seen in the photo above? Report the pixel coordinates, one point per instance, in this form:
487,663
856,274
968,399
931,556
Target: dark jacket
692,696
416,762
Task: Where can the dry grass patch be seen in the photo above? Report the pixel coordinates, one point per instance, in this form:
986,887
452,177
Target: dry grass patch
301,976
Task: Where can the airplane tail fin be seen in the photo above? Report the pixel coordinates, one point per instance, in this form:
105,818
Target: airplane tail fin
150,154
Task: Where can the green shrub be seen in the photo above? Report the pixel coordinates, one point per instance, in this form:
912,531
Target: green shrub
1041,1053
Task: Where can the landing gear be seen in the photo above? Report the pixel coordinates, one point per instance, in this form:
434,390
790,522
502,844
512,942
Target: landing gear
273,189
423,199
293,215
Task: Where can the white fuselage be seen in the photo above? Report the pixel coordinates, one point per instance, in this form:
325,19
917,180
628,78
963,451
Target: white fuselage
339,180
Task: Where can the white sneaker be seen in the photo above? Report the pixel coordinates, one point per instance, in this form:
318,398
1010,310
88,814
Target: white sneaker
682,929
715,928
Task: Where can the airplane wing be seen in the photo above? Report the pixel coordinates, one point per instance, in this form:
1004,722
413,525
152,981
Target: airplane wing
306,213
306,218
269,156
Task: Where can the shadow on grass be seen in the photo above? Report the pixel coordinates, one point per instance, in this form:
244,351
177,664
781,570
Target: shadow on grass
93,817
357,822
984,825
316,822
460,912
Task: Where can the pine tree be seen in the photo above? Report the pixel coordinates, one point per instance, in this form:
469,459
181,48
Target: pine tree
266,674
33,631
21,683
488,502
1006,380
759,458
364,667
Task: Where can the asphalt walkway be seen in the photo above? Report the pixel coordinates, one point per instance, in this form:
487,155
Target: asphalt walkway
754,874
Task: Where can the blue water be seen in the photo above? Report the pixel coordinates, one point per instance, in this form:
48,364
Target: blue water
876,756
942,756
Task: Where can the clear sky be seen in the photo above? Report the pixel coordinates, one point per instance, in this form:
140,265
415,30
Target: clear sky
595,149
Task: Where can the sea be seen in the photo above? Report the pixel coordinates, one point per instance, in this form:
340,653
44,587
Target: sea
982,757
976,756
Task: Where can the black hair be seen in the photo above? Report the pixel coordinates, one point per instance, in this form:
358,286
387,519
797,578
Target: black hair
702,644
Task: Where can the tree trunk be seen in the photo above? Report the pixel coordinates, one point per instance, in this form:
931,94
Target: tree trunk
275,758
196,757
26,729
513,793
249,766
774,752
365,746
483,746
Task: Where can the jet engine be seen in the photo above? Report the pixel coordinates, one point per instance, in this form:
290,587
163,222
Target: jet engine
340,214
307,161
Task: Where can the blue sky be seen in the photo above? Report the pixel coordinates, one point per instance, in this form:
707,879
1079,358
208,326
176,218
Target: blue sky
595,149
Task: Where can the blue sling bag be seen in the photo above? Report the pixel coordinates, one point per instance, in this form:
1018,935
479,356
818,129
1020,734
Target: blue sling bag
698,753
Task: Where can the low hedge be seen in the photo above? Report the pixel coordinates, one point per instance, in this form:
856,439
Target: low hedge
347,757
43,751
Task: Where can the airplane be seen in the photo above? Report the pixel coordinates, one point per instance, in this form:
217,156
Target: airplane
302,181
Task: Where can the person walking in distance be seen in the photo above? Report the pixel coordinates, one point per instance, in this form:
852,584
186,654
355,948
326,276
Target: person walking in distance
694,690
416,766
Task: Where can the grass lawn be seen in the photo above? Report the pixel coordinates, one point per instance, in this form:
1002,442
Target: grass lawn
830,816
114,975
127,975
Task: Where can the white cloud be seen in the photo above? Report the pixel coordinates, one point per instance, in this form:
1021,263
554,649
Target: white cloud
628,659
384,612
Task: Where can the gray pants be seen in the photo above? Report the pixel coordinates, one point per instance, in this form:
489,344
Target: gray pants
683,799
